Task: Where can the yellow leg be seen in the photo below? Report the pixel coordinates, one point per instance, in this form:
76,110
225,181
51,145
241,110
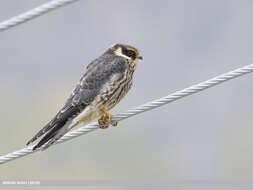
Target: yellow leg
105,120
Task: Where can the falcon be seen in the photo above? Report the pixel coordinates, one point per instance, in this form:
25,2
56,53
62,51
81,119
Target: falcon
105,82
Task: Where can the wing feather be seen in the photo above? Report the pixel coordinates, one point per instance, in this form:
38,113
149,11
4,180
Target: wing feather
97,74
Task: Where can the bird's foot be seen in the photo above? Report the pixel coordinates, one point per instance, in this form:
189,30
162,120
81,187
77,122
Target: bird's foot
105,120
115,123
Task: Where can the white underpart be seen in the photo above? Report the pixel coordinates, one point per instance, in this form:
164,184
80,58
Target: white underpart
86,116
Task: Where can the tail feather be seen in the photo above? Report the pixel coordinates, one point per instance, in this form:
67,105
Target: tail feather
51,134
55,126
44,140
58,134
40,133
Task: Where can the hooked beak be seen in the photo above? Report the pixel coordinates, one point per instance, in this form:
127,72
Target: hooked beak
139,57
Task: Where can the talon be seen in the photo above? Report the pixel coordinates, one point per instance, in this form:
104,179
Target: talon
101,120
105,119
108,117
104,127
115,123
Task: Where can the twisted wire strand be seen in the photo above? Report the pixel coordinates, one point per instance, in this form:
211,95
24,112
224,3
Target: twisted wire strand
31,14
140,109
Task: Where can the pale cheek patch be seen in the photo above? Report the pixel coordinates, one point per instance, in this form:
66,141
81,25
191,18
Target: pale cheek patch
119,53
135,63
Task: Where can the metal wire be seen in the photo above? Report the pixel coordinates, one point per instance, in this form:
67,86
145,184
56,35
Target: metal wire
29,15
143,108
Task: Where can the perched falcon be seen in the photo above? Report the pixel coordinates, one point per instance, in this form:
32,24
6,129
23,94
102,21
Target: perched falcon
105,82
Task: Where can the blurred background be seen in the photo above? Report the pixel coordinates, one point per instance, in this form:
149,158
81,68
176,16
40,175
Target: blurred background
204,137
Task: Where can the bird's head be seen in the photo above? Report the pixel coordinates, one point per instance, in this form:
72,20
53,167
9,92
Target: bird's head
128,52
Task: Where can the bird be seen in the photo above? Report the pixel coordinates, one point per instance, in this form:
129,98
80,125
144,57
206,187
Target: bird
106,80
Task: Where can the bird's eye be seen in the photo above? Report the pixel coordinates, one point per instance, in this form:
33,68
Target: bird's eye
129,53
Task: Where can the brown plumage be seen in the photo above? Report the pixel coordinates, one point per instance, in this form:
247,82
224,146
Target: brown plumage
106,81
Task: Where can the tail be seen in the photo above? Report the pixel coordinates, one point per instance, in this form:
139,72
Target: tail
51,137
55,127
55,136
41,132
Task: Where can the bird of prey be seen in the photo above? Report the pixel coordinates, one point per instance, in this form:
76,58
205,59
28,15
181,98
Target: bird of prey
105,82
